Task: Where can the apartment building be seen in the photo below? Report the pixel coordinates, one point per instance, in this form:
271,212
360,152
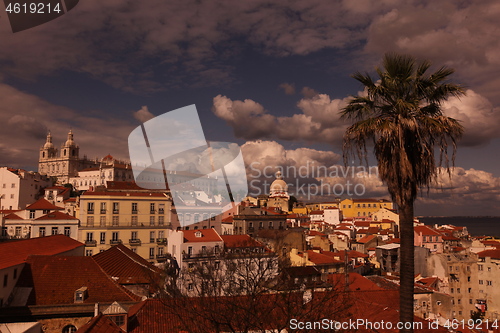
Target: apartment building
138,219
19,188
363,207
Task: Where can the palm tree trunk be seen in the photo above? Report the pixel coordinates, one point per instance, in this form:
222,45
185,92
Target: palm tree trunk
407,266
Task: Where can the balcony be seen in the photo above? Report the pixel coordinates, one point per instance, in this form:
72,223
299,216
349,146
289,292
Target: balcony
161,211
116,211
134,242
90,211
91,243
134,211
103,211
115,241
152,212
161,257
162,241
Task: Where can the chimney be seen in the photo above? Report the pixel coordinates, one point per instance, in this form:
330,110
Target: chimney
96,309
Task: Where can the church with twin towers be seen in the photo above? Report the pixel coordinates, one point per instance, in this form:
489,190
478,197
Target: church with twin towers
63,163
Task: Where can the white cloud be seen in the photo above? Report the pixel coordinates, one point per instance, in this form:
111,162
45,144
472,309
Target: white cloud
143,114
318,122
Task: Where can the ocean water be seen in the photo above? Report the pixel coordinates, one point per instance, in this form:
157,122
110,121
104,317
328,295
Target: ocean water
476,225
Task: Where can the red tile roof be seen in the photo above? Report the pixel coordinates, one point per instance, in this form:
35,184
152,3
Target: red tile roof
426,231
126,266
316,212
233,241
56,216
16,252
494,254
100,324
355,282
42,204
207,235
55,279
367,238
13,216
350,254
321,258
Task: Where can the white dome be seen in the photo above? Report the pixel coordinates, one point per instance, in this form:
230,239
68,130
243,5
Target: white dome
279,186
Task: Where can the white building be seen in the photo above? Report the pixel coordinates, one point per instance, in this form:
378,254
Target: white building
19,188
108,169
39,219
332,215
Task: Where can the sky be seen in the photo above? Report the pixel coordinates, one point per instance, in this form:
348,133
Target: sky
270,76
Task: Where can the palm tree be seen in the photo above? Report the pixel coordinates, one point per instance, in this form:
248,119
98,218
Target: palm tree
401,114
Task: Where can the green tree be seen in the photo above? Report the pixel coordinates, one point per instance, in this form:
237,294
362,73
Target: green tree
401,114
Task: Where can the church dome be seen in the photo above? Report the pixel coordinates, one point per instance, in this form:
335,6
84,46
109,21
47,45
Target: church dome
48,144
70,142
279,186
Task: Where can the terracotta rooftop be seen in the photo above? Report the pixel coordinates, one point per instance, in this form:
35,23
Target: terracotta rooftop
207,235
355,282
100,324
42,204
55,279
56,216
367,238
233,241
426,231
126,266
16,252
493,254
321,258
13,216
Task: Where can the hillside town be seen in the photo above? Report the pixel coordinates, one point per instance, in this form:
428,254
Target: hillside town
85,249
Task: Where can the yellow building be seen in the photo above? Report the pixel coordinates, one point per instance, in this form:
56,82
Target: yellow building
363,207
138,219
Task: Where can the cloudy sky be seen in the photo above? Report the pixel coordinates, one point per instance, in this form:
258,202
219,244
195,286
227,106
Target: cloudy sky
268,75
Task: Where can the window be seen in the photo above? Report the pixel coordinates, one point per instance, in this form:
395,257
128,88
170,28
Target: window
151,253
452,290
480,281
459,301
217,265
89,253
190,250
151,220
69,329
103,238
119,320
190,287
160,251
204,249
5,280
468,278
489,269
90,207
134,207
90,221
41,232
151,236
134,220
489,283
103,208
161,234
55,230
32,214
133,235
115,221
114,236
116,208
458,290
479,267
15,274
13,185
152,209
90,236
470,300
161,220
67,231
161,209
102,221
